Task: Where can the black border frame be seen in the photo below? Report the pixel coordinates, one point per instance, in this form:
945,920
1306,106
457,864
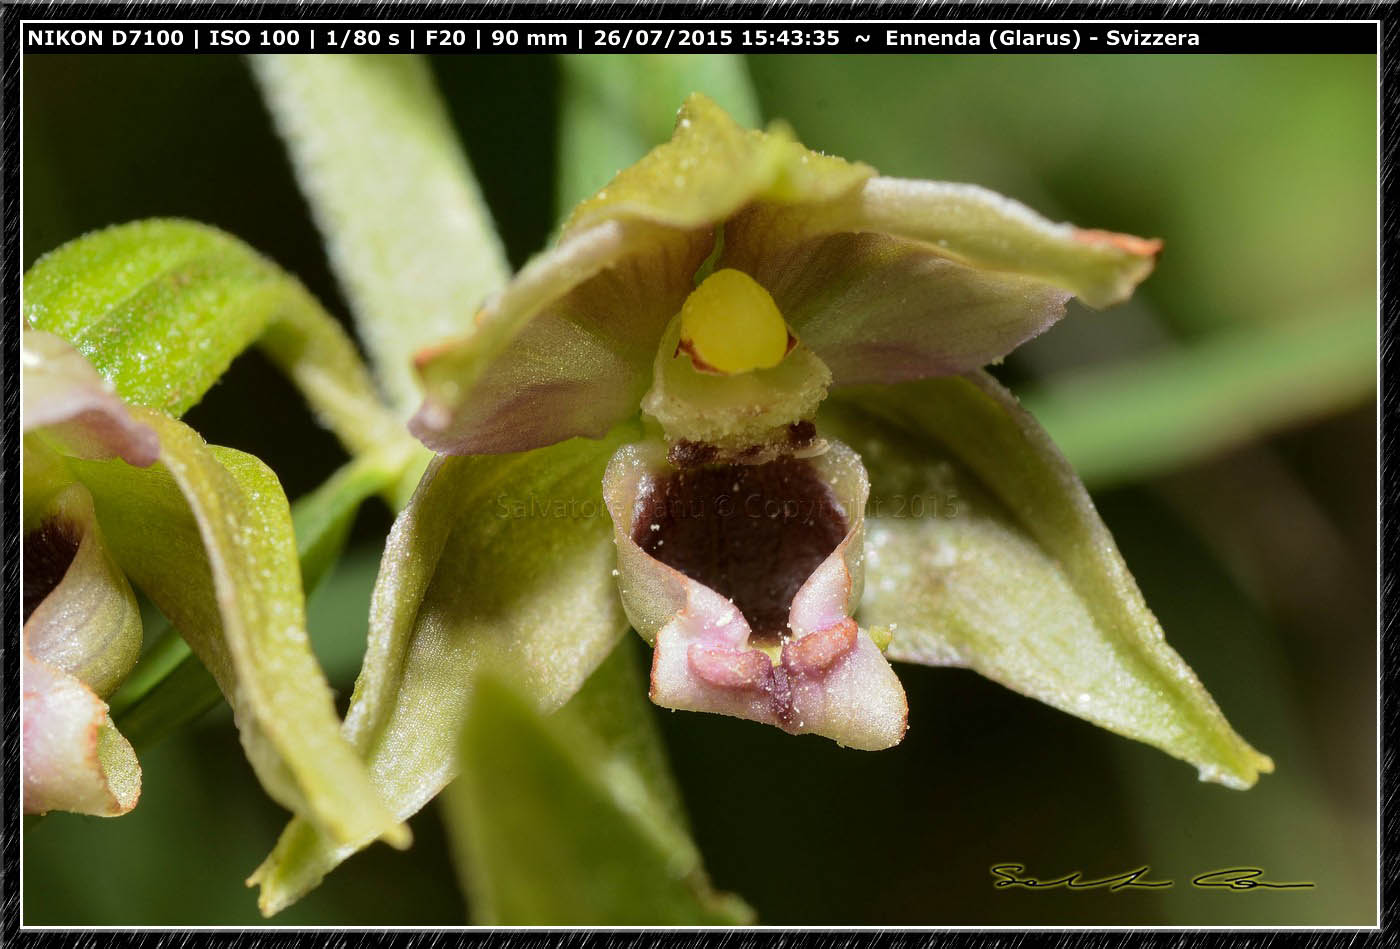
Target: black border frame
1389,440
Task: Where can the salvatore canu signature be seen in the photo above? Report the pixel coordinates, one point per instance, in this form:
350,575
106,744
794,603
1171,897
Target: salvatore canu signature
1014,875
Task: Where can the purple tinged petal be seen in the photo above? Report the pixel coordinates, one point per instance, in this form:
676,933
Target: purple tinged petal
66,399
983,229
879,309
887,280
566,349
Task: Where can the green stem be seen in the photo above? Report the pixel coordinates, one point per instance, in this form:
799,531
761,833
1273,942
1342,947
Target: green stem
306,343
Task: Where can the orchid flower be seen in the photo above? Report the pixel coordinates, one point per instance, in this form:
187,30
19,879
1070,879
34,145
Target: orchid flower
739,406
723,285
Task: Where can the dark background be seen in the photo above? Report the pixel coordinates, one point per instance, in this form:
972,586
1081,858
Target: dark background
1259,561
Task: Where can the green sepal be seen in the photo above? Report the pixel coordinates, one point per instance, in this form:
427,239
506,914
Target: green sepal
503,558
983,549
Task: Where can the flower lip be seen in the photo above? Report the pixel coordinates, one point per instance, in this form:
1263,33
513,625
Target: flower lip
752,533
74,758
81,637
824,676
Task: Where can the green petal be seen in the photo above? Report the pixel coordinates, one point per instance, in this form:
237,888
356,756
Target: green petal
571,819
207,534
88,625
161,308
503,559
983,549
406,228
711,168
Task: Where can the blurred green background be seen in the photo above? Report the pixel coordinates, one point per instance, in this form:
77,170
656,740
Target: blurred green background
1225,420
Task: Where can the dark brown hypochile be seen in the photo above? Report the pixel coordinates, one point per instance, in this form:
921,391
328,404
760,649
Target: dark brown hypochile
753,533
48,553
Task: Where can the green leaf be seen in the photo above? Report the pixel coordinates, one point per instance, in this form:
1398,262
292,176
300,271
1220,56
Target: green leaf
407,231
1130,420
983,549
553,824
617,107
207,534
161,308
169,686
503,558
